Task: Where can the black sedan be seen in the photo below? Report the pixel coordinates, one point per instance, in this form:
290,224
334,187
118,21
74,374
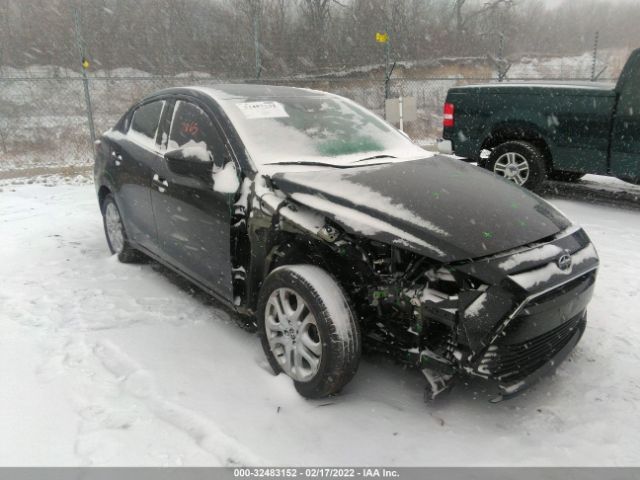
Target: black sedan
328,231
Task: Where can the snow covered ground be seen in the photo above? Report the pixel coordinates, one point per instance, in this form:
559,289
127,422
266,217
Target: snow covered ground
109,364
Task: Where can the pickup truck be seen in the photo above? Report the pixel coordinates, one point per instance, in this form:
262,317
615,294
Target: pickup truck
527,132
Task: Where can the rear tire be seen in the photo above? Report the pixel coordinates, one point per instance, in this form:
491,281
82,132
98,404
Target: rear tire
520,162
308,329
564,176
116,235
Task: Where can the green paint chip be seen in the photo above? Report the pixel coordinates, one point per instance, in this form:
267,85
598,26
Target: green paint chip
487,234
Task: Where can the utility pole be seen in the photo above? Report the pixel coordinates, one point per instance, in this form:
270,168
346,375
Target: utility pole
85,79
385,38
595,57
386,60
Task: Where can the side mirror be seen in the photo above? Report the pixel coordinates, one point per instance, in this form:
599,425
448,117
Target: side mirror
191,161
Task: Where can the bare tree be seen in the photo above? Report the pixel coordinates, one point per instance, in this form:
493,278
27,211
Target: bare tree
316,15
464,19
219,36
252,10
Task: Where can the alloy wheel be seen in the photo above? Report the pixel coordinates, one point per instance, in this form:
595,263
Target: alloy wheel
512,166
114,227
293,335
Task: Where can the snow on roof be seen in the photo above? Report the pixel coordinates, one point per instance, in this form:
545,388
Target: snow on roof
244,90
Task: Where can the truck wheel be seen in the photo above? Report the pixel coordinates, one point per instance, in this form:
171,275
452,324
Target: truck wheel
518,161
564,176
308,329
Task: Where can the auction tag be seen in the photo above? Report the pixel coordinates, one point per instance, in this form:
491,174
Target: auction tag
262,110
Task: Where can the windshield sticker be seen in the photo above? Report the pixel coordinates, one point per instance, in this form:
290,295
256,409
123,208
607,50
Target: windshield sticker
253,110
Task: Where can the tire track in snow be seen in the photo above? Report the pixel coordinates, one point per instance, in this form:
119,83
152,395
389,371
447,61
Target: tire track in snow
139,383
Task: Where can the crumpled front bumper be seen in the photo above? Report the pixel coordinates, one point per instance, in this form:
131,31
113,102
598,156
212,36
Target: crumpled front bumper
514,368
543,329
528,316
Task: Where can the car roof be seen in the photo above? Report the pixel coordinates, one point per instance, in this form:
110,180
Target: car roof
229,91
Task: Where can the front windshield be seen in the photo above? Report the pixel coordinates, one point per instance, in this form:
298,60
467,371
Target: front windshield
314,129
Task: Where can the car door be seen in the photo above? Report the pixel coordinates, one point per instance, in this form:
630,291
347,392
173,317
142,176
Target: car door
625,134
193,219
136,156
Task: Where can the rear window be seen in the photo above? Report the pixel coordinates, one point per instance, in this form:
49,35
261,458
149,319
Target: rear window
146,118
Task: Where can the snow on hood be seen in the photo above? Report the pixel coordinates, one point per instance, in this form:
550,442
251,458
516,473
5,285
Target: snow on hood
439,207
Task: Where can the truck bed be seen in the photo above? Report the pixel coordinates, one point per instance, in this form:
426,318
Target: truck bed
574,119
540,88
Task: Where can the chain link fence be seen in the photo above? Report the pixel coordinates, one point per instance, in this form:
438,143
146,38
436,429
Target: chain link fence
44,124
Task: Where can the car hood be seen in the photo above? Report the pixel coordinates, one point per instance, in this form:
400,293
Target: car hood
438,206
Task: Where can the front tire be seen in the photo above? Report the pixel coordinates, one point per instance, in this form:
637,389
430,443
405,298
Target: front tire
308,329
114,231
520,162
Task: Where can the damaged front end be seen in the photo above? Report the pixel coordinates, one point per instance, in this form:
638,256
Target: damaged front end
509,318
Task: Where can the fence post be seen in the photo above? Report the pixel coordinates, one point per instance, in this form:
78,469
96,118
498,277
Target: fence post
501,73
387,74
85,78
595,57
256,42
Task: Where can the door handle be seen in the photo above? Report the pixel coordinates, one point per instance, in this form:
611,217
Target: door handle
117,158
160,183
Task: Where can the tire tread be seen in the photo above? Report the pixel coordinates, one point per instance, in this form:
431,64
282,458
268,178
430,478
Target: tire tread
318,285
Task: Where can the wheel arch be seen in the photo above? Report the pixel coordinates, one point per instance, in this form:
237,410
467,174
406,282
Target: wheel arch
292,249
522,131
103,191
289,248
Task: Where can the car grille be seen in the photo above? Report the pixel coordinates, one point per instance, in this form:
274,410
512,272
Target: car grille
511,362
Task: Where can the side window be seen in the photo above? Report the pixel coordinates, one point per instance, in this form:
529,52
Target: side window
146,118
192,127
